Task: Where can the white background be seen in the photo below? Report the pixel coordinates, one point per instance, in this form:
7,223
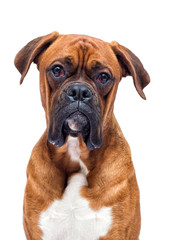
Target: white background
142,26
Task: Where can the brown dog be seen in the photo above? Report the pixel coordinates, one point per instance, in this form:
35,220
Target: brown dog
81,180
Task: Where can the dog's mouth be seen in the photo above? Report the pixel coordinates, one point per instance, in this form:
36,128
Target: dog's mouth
75,120
77,123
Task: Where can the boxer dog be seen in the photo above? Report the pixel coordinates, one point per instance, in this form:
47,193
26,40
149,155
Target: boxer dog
81,183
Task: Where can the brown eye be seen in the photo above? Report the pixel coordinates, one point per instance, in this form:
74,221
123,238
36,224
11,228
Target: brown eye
58,71
103,77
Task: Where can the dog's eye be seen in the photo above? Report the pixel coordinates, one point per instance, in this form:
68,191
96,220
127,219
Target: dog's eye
103,77
58,71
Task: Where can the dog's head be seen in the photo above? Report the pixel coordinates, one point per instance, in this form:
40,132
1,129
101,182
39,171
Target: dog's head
79,76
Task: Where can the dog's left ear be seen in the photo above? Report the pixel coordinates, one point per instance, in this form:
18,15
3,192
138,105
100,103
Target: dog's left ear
132,66
29,53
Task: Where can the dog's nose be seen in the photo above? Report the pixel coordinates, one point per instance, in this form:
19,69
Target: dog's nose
79,92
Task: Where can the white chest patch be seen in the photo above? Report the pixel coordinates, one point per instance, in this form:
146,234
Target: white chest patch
71,218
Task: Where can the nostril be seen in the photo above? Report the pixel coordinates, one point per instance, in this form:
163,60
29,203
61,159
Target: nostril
72,93
86,94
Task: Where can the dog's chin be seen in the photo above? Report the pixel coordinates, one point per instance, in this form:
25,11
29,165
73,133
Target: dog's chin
76,124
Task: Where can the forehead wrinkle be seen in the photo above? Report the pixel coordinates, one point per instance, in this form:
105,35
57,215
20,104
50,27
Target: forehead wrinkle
86,49
84,42
82,49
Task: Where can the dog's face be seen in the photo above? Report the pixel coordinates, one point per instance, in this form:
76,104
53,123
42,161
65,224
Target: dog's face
79,76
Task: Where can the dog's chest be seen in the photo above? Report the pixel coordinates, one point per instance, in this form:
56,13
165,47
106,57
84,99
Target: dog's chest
71,217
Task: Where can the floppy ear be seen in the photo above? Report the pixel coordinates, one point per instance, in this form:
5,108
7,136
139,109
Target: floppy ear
132,66
28,54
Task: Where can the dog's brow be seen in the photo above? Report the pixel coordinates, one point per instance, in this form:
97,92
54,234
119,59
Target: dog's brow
97,65
67,60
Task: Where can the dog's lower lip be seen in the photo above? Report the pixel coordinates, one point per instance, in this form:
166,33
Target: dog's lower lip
76,121
76,124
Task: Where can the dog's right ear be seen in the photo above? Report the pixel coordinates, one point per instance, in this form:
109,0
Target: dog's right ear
28,54
131,65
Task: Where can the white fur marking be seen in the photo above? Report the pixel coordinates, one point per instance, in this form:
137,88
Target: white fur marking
74,152
71,218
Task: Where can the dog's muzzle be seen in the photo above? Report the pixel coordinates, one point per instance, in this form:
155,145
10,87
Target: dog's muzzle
78,114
